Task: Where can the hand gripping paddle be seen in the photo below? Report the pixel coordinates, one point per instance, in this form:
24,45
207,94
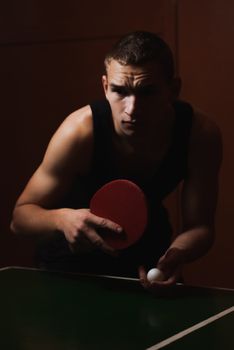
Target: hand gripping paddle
124,203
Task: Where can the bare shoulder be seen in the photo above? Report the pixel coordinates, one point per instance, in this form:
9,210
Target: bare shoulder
68,154
75,129
71,145
79,121
205,128
206,142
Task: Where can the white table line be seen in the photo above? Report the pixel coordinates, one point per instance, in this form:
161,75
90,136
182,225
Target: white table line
182,334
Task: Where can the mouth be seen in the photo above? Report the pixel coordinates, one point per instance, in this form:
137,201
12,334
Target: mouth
131,126
130,122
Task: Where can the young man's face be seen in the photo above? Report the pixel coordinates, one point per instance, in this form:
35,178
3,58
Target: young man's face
140,97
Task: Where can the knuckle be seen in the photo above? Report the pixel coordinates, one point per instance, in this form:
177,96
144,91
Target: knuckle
71,237
81,227
84,215
103,222
98,243
71,240
74,238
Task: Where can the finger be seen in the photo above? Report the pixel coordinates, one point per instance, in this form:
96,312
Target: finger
160,285
156,287
172,274
152,286
99,243
170,280
143,277
81,246
105,224
71,247
173,257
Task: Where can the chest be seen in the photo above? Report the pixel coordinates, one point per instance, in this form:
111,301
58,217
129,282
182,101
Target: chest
142,163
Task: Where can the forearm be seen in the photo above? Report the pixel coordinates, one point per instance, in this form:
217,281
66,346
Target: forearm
194,243
186,247
31,219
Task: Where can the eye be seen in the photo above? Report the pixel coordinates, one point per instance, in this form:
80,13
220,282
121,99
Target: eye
146,91
119,90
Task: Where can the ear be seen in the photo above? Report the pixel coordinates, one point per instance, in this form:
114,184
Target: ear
105,83
175,88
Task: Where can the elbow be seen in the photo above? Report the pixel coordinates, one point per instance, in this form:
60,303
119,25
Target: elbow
208,237
14,226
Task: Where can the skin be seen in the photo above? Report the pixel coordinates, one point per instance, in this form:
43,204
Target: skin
141,101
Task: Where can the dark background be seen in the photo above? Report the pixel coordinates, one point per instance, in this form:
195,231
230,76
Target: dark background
51,62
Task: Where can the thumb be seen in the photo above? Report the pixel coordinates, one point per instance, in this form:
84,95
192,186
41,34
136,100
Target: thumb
171,260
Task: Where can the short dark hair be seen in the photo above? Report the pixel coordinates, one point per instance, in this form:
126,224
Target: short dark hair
140,47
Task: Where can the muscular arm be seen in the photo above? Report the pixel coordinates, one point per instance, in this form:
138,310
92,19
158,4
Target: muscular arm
198,202
200,192
68,154
64,157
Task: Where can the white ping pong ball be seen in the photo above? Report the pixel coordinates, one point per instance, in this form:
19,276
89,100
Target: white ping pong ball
155,275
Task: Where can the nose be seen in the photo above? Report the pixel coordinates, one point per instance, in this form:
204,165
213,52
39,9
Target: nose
131,103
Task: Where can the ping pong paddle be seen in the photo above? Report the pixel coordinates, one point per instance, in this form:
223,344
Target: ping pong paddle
123,202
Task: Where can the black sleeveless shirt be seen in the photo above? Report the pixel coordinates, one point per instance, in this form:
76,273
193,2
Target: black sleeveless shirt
56,254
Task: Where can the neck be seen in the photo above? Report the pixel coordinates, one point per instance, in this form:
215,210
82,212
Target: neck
153,139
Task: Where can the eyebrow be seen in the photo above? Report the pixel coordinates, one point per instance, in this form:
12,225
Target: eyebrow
115,86
141,88
121,88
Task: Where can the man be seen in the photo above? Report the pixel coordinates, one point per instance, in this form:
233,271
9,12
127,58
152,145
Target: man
140,132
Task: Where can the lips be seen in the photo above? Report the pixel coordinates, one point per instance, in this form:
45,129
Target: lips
130,125
132,122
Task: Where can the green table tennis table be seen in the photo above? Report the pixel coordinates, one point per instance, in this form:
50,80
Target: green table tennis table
64,311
